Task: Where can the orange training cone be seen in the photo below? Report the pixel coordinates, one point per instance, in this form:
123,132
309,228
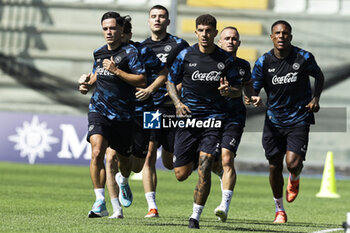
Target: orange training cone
328,188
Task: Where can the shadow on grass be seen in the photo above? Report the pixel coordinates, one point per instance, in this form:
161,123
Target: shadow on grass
229,225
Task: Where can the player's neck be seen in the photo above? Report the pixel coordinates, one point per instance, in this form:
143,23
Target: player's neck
207,50
114,45
281,54
234,54
158,36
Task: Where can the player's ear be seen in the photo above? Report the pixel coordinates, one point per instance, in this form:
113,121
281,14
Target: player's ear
291,37
216,33
239,43
168,22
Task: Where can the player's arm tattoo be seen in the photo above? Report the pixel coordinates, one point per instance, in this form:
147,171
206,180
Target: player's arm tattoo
173,92
202,190
181,109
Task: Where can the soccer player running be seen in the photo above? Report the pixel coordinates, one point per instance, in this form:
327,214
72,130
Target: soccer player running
167,47
111,107
284,74
199,68
143,103
235,122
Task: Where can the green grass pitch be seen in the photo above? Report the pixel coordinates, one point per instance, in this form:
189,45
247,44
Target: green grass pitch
47,198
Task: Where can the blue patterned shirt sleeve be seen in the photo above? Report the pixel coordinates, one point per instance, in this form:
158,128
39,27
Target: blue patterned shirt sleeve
135,64
176,71
257,74
312,68
151,60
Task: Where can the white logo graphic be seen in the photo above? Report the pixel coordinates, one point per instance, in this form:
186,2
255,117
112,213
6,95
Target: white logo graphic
117,59
192,64
211,76
271,70
221,66
98,60
304,148
233,142
296,66
33,139
288,78
91,127
167,48
162,57
156,115
103,71
241,72
72,147
151,120
191,123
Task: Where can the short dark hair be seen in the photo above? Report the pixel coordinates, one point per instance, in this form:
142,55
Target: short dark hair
127,24
282,22
230,27
160,7
206,20
113,15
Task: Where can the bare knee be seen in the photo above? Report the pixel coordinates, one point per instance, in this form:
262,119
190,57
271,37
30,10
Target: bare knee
182,173
294,162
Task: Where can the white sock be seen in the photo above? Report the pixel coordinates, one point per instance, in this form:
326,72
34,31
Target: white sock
100,194
197,211
151,200
279,204
122,179
116,205
226,199
294,178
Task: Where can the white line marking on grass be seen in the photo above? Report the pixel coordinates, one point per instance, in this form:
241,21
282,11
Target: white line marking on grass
329,230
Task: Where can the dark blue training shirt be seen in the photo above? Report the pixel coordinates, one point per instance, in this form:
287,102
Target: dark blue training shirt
200,76
235,108
153,66
287,85
166,50
113,97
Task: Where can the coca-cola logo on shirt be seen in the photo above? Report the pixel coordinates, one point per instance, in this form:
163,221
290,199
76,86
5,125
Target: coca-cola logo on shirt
288,78
211,76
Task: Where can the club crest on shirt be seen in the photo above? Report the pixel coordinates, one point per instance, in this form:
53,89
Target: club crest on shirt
296,66
221,66
167,48
117,59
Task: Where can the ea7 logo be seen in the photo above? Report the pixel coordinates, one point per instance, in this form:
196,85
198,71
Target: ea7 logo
192,64
271,70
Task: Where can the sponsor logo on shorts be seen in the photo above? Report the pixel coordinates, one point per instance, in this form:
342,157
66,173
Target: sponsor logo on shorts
233,142
304,148
241,72
91,127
